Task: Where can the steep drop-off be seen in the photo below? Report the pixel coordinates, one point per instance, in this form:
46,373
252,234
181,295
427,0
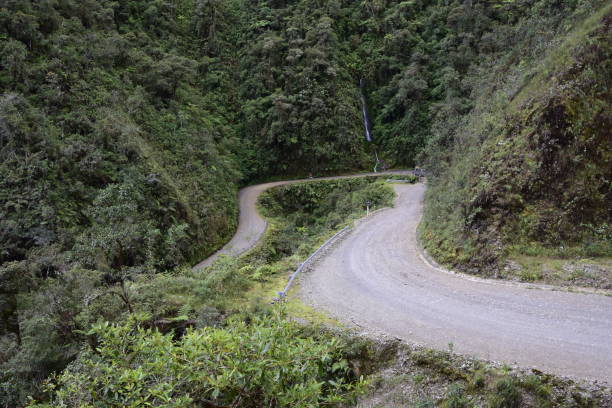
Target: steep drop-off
126,128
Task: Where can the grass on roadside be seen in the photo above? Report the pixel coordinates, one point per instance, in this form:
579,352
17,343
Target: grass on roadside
301,218
584,272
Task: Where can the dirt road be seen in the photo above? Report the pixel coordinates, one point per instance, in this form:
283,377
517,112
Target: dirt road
378,279
251,225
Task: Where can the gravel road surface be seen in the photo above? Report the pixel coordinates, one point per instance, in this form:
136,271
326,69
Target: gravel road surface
378,279
251,225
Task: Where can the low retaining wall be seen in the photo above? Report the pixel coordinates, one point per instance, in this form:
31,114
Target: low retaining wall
281,295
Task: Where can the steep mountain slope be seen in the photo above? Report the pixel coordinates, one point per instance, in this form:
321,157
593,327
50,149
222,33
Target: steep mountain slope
115,161
127,126
529,172
105,119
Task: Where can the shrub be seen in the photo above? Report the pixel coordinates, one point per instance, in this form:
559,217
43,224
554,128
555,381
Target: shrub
265,363
542,391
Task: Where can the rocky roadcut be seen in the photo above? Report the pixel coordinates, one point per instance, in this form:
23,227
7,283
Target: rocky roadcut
378,279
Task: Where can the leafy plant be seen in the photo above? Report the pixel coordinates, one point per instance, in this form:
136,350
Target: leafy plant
265,362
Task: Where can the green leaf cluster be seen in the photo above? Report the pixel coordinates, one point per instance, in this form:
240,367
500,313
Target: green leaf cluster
267,362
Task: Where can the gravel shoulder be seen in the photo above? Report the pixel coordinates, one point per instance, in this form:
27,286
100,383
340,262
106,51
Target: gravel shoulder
377,278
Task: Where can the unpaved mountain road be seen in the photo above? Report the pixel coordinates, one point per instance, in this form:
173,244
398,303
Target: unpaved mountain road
377,278
251,225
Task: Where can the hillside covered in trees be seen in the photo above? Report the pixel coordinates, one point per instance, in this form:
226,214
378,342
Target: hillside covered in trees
127,127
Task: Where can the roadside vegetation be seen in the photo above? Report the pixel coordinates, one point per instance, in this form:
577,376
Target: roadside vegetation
409,376
127,127
212,337
560,271
268,361
528,179
233,295
405,178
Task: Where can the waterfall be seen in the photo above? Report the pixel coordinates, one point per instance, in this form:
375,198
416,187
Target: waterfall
364,109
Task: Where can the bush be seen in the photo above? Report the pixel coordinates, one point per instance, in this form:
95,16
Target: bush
410,178
325,203
265,363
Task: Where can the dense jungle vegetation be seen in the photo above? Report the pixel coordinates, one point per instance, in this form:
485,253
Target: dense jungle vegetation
529,167
126,128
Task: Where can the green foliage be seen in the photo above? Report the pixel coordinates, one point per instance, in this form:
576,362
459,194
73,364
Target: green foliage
301,112
305,215
113,157
106,95
424,377
441,362
55,316
326,204
126,127
266,362
507,394
425,404
541,390
408,178
46,335
221,287
456,398
516,178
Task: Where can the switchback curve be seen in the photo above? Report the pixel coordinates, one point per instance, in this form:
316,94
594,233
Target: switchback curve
378,279
251,225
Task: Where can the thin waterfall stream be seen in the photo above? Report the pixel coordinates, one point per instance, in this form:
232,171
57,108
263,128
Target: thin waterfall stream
364,110
366,119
